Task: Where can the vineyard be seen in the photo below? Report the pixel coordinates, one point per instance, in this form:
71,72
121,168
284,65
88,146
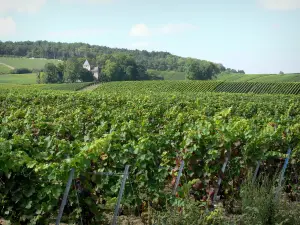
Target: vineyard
46,133
202,86
274,78
64,86
159,86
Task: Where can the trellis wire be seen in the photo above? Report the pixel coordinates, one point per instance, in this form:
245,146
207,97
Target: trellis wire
107,173
65,197
125,176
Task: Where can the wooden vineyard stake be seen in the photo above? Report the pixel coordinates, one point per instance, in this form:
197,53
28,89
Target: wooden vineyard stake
256,171
283,171
220,178
65,197
178,177
116,213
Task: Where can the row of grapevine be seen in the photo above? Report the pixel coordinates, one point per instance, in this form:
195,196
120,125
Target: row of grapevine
65,86
61,87
278,78
174,86
259,88
276,88
43,134
160,86
202,86
234,87
270,78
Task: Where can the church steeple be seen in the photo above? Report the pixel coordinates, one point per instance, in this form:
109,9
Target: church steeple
87,65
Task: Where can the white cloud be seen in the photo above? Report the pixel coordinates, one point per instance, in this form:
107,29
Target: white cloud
280,4
142,30
21,5
7,27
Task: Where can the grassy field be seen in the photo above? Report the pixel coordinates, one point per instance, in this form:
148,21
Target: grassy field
26,62
4,69
259,77
15,80
18,78
58,87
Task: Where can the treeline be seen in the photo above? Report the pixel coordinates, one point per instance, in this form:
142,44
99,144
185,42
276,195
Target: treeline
228,70
116,67
70,71
162,61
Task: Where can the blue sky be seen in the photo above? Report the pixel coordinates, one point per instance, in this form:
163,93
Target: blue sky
259,36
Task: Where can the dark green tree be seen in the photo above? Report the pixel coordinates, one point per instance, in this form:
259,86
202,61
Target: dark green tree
38,77
121,67
50,74
60,71
71,70
192,69
85,75
110,70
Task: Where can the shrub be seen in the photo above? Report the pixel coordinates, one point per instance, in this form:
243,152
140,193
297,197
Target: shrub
191,212
258,202
260,205
21,71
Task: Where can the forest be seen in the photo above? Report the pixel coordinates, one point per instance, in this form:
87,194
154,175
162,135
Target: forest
162,61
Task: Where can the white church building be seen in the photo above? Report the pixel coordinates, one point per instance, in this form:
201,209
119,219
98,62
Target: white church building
96,70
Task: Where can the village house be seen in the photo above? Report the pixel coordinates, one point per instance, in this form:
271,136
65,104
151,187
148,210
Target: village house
96,70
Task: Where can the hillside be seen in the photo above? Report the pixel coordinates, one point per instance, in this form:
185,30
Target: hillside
259,77
8,63
232,77
200,86
4,69
56,50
